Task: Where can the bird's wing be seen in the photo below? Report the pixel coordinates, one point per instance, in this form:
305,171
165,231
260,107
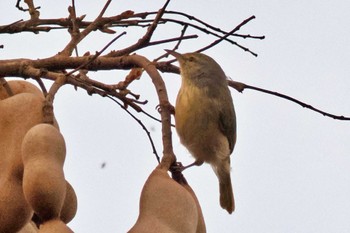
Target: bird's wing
227,124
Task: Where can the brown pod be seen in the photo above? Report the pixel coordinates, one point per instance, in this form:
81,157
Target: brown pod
17,115
30,227
44,185
54,226
165,206
20,86
14,210
201,228
69,208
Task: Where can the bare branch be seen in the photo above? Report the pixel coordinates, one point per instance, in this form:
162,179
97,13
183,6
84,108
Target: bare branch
41,85
97,54
241,87
76,38
74,30
145,39
168,154
183,31
134,74
48,116
34,13
31,6
228,34
143,127
29,71
190,17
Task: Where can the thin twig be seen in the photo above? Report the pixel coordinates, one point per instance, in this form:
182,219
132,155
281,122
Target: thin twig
110,89
74,30
204,30
34,14
29,71
67,51
18,6
172,40
41,85
183,31
241,87
145,39
93,58
228,34
23,9
153,117
190,17
7,87
142,125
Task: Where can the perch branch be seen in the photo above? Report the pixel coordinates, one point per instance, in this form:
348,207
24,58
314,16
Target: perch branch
240,87
168,154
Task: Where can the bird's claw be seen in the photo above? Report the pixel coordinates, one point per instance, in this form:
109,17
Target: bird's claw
177,167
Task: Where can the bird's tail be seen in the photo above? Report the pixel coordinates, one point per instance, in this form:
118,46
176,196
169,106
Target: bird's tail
227,201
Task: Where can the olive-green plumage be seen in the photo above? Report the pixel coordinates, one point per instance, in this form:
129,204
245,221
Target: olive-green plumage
205,119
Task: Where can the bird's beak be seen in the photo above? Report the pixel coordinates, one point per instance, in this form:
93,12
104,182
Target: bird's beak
177,55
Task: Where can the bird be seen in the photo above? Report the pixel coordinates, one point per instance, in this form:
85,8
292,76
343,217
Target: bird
205,118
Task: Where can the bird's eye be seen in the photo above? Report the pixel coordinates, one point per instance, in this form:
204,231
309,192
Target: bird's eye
191,59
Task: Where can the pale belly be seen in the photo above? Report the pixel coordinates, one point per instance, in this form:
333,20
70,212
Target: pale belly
197,126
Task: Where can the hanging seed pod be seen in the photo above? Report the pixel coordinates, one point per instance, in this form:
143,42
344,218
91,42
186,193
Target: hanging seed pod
166,206
18,113
44,185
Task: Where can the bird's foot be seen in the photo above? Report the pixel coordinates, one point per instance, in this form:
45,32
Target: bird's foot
166,105
178,167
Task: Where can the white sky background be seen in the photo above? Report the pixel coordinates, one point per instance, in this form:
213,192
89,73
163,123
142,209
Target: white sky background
290,167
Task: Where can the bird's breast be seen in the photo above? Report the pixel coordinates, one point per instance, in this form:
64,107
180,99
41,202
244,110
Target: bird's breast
196,122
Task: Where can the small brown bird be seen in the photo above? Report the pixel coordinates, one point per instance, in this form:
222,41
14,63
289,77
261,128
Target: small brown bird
205,118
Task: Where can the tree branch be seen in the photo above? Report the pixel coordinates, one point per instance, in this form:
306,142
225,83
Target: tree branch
230,33
240,87
142,125
76,36
168,154
143,42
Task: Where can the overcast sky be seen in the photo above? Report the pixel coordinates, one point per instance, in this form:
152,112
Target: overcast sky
290,167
